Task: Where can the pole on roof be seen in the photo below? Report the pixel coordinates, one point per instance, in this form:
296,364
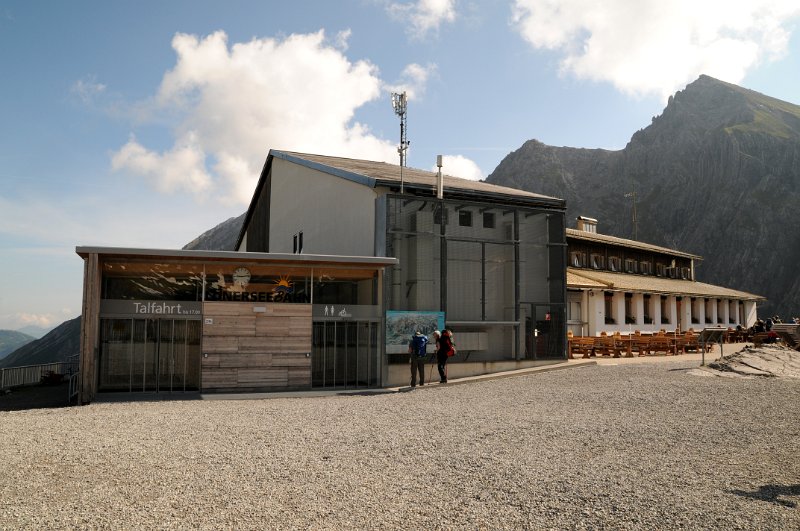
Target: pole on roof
439,179
400,106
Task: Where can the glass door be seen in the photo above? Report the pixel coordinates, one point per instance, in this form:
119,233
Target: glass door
345,354
544,335
149,355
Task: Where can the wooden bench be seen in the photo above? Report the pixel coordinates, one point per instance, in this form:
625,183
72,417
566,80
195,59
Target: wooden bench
659,343
641,345
606,346
583,346
687,342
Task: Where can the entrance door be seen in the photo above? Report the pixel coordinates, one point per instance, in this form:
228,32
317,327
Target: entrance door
156,355
345,354
544,332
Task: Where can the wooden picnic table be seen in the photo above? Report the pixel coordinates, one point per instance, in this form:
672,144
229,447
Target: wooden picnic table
647,344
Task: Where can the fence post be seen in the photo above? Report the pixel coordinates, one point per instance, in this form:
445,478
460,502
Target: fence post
2,378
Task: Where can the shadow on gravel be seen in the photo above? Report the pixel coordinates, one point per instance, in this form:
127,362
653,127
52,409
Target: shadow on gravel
34,397
772,494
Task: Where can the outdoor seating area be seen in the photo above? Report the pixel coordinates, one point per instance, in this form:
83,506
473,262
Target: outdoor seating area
636,343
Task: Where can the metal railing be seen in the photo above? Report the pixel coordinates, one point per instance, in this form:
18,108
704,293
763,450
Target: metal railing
32,374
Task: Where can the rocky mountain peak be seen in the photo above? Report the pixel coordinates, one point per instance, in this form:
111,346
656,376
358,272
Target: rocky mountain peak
717,173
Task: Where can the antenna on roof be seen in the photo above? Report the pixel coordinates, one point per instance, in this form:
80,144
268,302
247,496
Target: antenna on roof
400,105
439,181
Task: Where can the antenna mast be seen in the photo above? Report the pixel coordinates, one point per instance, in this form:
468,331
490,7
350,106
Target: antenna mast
400,105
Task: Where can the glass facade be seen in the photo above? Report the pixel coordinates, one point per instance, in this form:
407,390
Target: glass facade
487,267
344,354
159,355
155,281
152,281
151,319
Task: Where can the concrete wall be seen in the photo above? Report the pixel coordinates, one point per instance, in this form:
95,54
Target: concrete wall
400,374
336,216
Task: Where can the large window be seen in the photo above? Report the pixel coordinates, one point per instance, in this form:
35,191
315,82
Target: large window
254,283
665,310
244,282
630,311
648,308
577,259
152,281
608,298
481,273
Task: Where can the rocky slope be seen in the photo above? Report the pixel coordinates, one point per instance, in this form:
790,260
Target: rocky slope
58,345
220,238
716,174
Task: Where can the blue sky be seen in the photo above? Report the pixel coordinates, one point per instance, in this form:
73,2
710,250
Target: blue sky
143,124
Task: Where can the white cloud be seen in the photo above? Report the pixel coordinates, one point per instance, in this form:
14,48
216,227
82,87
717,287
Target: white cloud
413,80
87,89
233,103
460,166
15,321
655,46
423,16
181,168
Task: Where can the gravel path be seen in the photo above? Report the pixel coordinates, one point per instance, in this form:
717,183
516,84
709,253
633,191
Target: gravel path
638,446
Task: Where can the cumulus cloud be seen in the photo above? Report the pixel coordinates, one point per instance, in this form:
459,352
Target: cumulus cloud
423,16
181,168
231,104
460,166
656,47
413,80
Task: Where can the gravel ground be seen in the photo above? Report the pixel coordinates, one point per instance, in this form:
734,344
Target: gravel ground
634,446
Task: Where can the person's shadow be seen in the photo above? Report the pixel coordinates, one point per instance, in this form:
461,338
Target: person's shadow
772,493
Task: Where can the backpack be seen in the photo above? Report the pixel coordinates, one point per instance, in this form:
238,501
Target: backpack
419,344
449,345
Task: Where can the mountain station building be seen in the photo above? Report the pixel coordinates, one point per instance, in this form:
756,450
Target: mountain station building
340,260
620,285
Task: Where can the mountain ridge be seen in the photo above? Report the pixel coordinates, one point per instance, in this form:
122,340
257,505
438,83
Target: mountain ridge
716,174
57,345
11,340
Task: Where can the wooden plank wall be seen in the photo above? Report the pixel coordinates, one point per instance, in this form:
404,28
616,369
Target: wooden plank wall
256,351
90,322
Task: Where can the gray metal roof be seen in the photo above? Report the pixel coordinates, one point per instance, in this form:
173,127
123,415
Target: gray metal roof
606,280
622,242
236,256
373,173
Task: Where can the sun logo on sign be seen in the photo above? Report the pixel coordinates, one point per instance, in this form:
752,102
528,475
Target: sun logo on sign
283,285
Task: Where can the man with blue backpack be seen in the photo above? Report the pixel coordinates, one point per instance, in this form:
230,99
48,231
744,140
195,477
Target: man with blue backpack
417,347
